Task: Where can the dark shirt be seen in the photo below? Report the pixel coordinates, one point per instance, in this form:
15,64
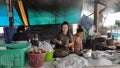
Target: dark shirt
65,38
20,36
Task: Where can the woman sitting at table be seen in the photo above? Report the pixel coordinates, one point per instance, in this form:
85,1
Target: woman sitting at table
64,40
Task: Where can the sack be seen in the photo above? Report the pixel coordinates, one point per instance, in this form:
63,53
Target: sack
61,52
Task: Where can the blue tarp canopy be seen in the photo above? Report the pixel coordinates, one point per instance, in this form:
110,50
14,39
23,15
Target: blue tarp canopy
4,18
43,12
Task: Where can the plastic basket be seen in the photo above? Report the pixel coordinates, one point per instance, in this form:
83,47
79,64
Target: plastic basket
49,56
36,60
14,57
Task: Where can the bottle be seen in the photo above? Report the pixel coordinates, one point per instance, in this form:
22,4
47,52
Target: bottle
36,40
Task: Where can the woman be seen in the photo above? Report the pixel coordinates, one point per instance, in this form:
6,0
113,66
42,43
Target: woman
78,40
64,40
20,35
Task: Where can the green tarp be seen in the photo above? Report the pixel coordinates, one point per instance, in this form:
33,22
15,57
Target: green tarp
43,12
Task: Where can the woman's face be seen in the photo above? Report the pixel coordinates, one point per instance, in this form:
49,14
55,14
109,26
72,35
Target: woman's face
65,29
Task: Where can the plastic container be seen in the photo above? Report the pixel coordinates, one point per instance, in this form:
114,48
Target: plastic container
88,53
36,60
14,56
49,56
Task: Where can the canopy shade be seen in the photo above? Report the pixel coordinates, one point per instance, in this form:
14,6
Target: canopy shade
43,12
4,18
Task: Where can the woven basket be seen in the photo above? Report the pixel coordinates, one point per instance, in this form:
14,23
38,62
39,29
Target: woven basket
36,60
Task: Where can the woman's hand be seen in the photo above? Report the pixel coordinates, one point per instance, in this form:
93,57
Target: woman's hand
60,42
67,45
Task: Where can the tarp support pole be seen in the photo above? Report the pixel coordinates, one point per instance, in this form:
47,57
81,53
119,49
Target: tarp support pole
9,5
23,12
96,15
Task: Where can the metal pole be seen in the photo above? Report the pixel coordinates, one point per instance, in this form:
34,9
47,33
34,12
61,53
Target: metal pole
96,15
11,19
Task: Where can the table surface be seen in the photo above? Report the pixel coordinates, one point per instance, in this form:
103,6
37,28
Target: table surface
50,64
45,65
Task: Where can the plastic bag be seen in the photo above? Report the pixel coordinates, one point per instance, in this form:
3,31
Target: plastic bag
46,46
71,61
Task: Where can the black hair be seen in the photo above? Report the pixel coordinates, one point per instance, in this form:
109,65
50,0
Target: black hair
65,23
79,30
21,28
79,27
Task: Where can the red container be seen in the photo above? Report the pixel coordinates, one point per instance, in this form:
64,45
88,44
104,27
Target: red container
36,60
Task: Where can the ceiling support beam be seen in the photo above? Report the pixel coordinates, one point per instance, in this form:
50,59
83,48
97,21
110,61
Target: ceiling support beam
23,14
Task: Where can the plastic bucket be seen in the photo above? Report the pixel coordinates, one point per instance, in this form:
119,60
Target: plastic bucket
49,56
36,60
